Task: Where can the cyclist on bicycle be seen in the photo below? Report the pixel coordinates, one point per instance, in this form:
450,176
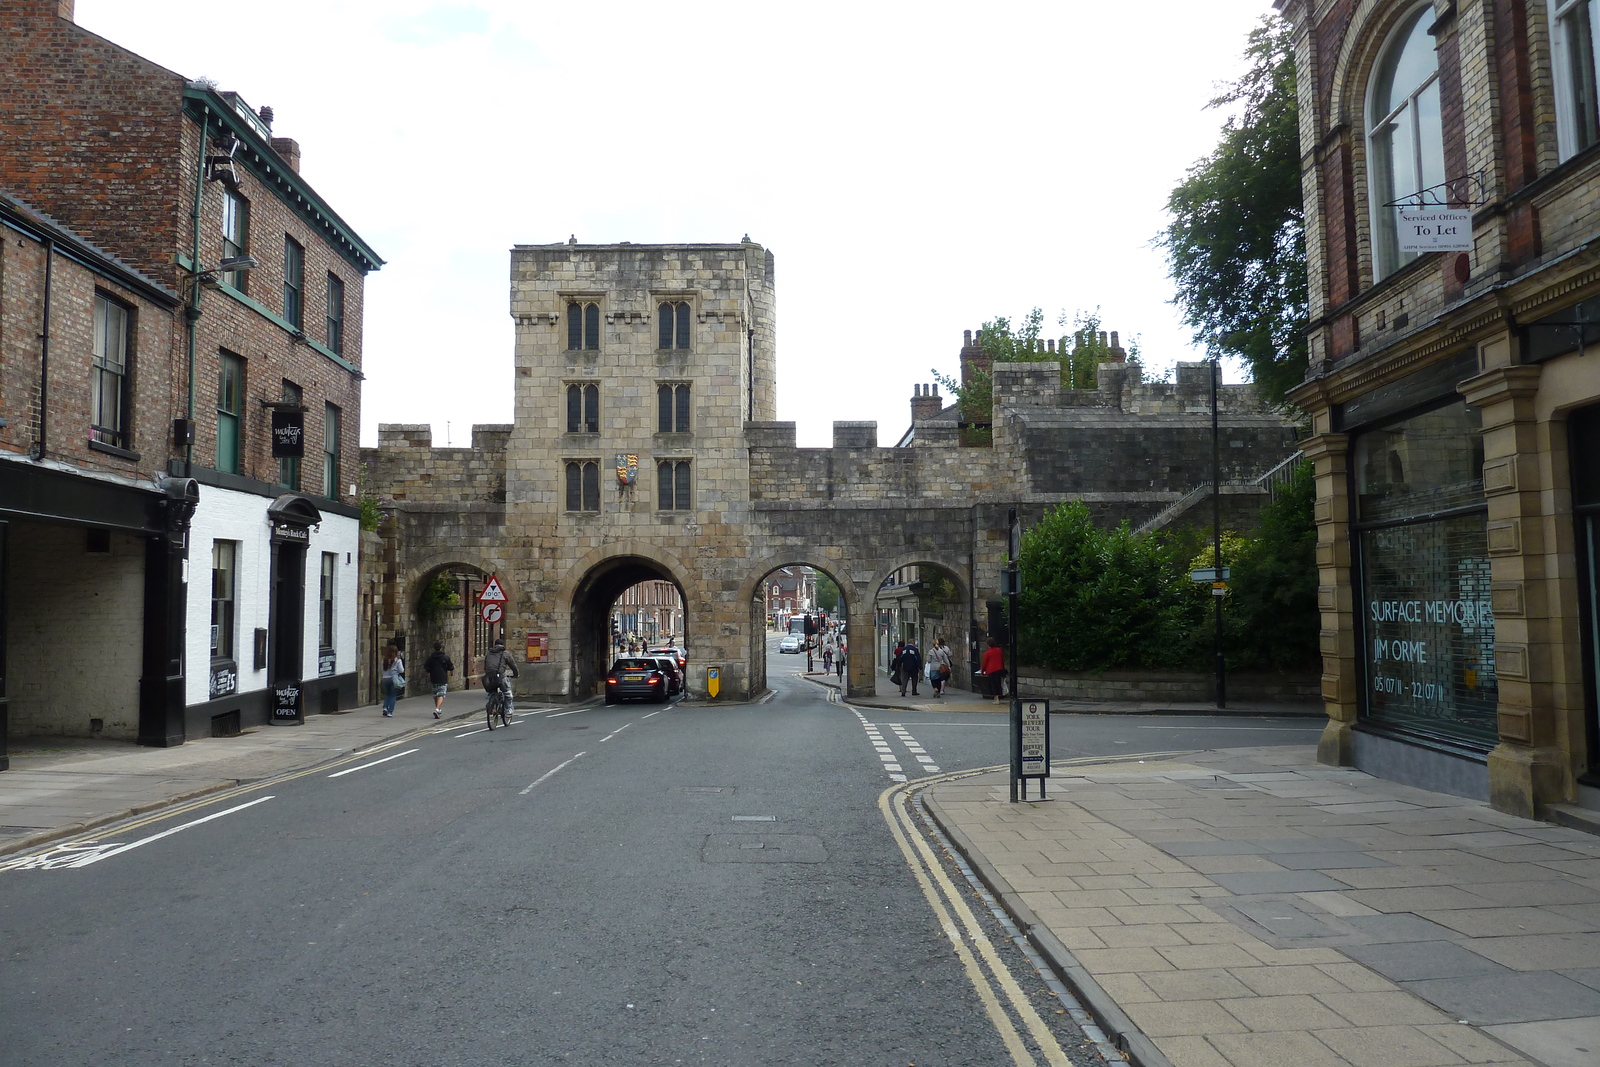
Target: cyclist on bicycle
498,670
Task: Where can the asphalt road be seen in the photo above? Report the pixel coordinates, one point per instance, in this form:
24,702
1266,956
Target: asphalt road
630,885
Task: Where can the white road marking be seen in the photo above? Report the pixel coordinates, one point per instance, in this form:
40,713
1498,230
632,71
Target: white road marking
547,774
374,763
575,711
652,713
615,732
83,855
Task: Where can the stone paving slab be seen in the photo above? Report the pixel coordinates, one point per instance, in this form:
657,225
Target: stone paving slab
1257,917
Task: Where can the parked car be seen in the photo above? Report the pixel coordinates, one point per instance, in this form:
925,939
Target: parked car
792,643
669,663
675,652
637,678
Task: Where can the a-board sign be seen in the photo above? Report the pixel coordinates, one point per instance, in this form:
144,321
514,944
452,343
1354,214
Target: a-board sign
538,647
1032,757
286,702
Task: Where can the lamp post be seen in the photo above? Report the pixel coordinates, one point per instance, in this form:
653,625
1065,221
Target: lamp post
1216,532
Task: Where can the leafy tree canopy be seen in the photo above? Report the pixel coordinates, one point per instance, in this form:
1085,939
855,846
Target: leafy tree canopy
1080,351
1236,243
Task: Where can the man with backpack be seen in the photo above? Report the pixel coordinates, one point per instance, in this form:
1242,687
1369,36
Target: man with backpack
498,670
910,667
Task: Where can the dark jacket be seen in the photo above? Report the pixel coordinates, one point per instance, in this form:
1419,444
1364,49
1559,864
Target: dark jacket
439,668
499,661
910,660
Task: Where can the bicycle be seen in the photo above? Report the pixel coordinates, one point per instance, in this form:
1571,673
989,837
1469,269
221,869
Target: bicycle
497,706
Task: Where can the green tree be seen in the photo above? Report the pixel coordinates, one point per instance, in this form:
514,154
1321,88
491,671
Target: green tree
1080,354
1236,243
1273,605
828,596
1097,599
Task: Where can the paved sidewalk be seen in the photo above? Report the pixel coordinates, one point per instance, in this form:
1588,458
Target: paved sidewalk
888,698
57,787
1253,908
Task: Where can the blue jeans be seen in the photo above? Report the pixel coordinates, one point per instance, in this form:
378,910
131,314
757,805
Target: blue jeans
391,693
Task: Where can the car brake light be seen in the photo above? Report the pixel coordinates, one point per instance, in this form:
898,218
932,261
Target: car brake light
611,679
655,681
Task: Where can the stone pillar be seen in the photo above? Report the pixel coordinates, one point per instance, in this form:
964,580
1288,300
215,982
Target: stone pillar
1329,454
861,667
1527,768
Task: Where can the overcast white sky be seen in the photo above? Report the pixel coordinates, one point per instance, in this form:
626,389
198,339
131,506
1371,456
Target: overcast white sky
915,168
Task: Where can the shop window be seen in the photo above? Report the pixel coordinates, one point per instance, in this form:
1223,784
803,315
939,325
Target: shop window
108,382
330,451
289,466
672,408
224,578
583,326
673,321
1405,133
230,414
294,283
325,603
335,324
672,486
1427,629
235,236
583,408
1572,52
583,485
1584,449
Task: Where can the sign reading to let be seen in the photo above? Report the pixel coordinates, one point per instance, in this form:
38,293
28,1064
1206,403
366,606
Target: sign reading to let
1434,229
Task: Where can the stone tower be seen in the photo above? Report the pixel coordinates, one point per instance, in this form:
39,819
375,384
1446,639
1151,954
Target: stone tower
637,368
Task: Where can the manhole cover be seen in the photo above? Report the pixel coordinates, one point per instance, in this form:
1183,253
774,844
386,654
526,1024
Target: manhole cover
763,848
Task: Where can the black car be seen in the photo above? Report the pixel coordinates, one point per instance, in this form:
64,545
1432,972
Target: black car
674,673
638,678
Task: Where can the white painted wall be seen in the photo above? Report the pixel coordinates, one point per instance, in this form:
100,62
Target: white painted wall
224,514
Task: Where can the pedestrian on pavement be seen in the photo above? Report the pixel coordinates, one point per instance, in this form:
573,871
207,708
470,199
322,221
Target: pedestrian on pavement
838,664
895,677
498,670
827,656
992,670
939,666
439,670
394,677
910,667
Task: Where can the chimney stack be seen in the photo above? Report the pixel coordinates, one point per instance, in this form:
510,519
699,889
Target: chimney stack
926,403
288,150
265,111
64,9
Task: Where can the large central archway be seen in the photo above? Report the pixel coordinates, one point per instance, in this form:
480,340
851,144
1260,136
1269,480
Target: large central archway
591,616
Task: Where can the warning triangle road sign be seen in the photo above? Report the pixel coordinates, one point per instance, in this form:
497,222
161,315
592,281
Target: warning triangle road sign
492,593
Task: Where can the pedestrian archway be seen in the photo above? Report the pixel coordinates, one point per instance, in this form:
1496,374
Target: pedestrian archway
443,607
788,592
925,601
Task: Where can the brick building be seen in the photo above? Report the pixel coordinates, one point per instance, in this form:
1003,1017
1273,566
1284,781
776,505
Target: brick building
246,399
1451,170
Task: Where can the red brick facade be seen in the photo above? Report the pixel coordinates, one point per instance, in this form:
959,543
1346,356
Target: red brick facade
109,144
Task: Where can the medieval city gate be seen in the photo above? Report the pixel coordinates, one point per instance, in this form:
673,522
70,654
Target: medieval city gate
644,447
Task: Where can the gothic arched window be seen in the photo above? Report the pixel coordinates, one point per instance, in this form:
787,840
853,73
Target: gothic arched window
1405,133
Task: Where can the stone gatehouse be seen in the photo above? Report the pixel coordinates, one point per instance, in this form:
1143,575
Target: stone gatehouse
645,446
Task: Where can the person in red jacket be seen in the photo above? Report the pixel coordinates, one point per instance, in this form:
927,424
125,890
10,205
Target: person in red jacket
993,669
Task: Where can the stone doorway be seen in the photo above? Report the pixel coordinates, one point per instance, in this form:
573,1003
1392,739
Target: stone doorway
592,603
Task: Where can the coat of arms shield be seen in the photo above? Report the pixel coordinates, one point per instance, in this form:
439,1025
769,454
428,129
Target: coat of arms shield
627,468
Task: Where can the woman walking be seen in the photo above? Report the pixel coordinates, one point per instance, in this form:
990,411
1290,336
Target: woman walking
939,666
394,677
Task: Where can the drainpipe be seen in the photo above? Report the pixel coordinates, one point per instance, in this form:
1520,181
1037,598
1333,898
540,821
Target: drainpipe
191,311
44,351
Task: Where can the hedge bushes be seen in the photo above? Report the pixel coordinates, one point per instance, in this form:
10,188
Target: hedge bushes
1096,600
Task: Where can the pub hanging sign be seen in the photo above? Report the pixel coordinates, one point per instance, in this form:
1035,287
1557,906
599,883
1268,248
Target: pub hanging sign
288,432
